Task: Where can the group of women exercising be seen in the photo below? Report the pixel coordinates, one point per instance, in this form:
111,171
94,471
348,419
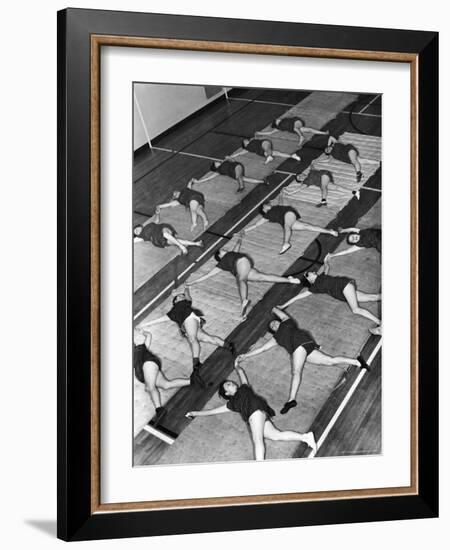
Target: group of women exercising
298,342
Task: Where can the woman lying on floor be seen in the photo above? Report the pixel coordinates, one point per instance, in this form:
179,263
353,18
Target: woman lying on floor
254,410
289,219
194,201
359,239
190,322
233,170
242,267
147,369
161,235
340,288
301,347
262,148
293,125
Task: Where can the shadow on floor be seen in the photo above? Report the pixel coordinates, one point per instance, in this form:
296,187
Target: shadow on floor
47,526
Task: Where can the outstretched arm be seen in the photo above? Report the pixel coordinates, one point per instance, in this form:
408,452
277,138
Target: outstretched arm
157,321
169,204
269,133
241,373
209,412
213,272
350,230
237,154
332,140
303,294
206,178
255,225
280,314
316,228
265,347
350,250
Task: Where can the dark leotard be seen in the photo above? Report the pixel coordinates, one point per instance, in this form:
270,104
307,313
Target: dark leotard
277,213
188,195
287,124
333,286
142,355
290,337
315,177
230,260
228,168
153,232
181,311
370,238
245,402
255,146
340,152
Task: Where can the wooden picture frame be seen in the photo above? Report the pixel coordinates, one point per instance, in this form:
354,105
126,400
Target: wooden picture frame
81,35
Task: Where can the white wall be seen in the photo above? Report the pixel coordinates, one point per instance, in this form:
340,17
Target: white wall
28,276
158,107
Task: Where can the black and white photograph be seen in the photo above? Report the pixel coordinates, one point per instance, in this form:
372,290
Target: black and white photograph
257,252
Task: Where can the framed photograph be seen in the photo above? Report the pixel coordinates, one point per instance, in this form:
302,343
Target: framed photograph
247,242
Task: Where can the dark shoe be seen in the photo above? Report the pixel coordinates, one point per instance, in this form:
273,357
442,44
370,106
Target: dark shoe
359,176
159,413
230,347
288,406
321,203
363,364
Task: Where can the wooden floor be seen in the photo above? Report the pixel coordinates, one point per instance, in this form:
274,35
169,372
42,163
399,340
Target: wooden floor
215,134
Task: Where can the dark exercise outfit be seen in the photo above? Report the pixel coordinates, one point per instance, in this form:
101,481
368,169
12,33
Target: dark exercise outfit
290,337
287,124
340,152
153,232
315,177
245,402
255,146
370,238
228,168
333,286
187,195
142,355
277,213
230,260
181,311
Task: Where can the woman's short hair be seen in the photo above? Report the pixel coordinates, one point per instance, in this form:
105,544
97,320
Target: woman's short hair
269,328
261,208
221,391
217,256
304,279
176,298
213,167
139,225
274,124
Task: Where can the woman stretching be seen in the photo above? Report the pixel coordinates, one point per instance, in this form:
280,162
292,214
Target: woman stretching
359,239
262,148
147,369
254,410
161,235
340,288
316,178
302,347
293,125
194,201
234,170
288,218
190,322
347,153
242,267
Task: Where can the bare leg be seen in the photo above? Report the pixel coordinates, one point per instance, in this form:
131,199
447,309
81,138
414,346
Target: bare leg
172,240
258,277
350,295
353,156
239,172
210,339
318,357
202,214
257,421
274,434
193,209
302,226
151,371
191,243
314,131
267,149
252,180
192,334
167,384
365,297
243,269
298,362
